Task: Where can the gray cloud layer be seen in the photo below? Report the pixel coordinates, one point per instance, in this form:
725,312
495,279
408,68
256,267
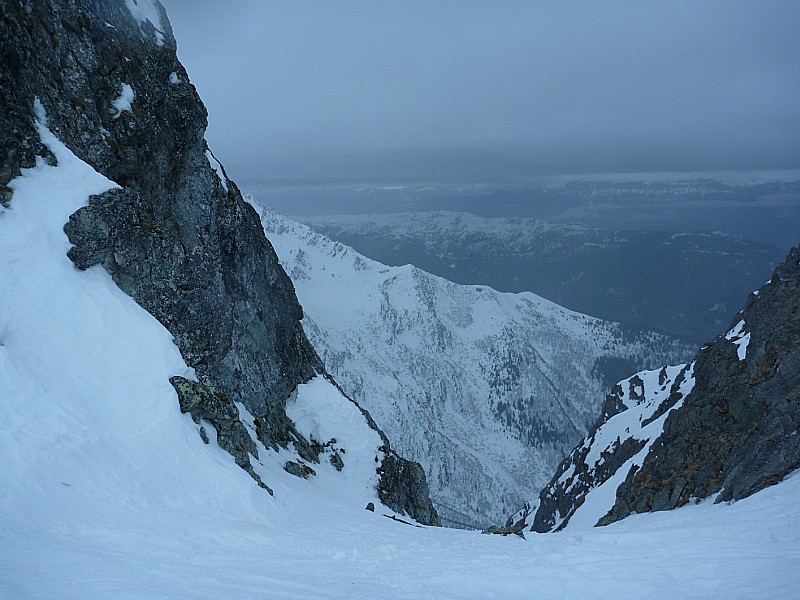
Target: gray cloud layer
491,90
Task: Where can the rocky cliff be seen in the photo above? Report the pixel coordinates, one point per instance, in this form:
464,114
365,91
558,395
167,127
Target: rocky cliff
177,235
739,430
724,426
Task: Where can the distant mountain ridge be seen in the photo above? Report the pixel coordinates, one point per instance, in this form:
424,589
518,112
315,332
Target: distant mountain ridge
638,278
485,389
762,206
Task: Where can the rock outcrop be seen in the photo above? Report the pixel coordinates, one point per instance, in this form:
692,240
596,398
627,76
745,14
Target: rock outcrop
177,236
725,426
739,430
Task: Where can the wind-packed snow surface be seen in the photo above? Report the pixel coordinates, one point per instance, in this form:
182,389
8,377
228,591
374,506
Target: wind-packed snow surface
107,491
486,390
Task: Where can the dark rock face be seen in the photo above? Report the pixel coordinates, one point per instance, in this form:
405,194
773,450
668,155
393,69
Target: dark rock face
738,431
393,489
233,313
734,432
188,250
177,236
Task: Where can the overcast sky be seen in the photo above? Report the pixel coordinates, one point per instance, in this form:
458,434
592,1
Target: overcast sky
461,90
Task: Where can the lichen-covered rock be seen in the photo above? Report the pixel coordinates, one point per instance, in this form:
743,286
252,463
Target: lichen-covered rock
177,236
232,436
194,398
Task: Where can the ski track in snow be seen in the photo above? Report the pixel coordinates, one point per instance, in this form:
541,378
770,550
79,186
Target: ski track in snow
108,492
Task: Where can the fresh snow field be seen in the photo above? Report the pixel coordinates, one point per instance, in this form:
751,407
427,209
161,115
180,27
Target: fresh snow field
107,491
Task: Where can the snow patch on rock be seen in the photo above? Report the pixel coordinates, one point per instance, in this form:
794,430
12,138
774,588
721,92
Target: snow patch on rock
124,101
741,339
147,11
215,164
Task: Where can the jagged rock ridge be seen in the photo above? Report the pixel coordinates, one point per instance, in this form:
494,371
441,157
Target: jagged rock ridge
730,423
739,431
177,236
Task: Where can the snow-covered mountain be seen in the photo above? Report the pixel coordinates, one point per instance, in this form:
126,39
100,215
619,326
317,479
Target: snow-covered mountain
107,490
111,485
487,390
635,277
725,425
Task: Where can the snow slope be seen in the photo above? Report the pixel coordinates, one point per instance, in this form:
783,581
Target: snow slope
487,390
107,490
91,422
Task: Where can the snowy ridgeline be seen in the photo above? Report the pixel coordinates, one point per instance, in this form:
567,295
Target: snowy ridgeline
108,492
635,277
487,390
